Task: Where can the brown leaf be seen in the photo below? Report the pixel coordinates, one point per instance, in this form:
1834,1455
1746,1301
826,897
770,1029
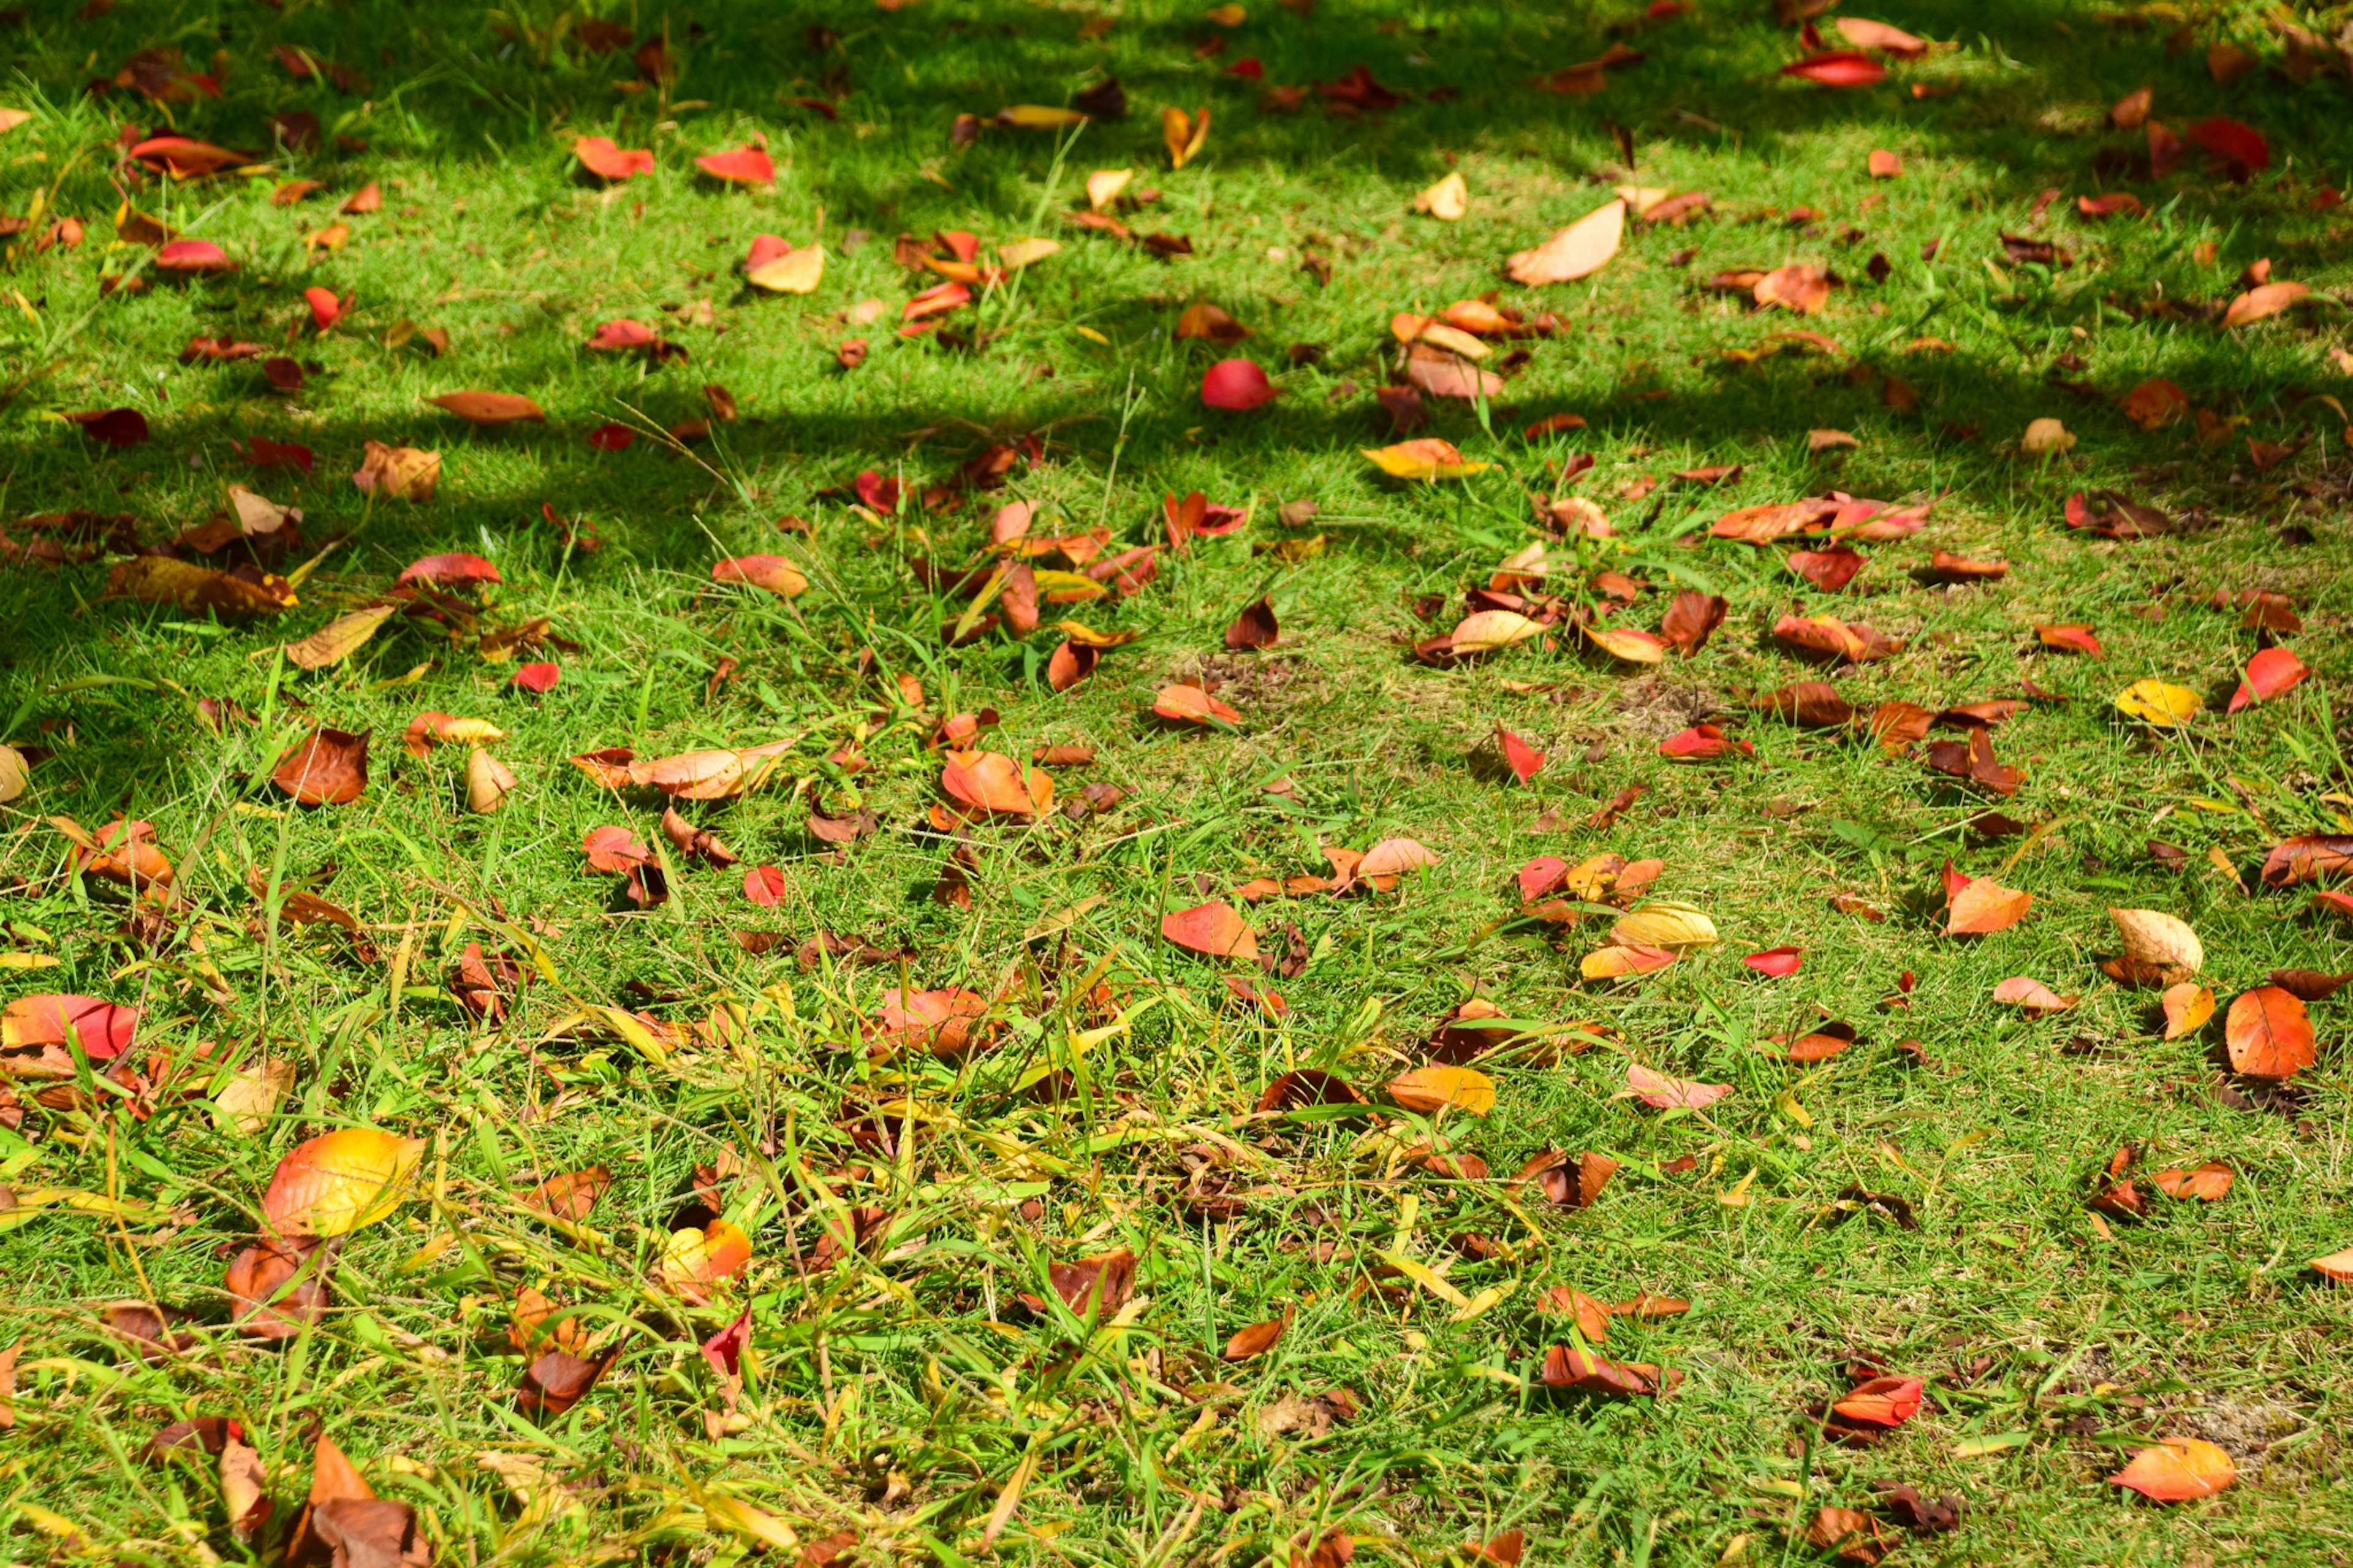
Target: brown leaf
1692,619
489,407
258,1285
1256,1340
327,768
1254,627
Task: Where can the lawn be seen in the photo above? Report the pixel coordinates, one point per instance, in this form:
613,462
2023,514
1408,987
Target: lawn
760,1120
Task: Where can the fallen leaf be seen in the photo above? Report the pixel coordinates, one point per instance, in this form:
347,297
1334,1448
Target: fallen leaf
2188,1006
1213,929
1577,251
1429,1089
398,473
1882,1401
2177,1470
1237,385
1982,907
2209,1182
1256,1340
492,408
338,1183
2272,671
2075,638
2030,996
339,638
1427,457
2154,702
2046,436
1777,961
1525,761
1448,200
774,573
328,767
2269,1033
1665,1093
600,156
774,265
745,165
991,781
1191,705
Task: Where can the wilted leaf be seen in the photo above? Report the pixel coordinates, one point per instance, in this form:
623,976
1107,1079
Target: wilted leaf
1256,1340
398,473
339,638
1447,200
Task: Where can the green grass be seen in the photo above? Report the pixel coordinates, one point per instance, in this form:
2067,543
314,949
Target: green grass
894,1392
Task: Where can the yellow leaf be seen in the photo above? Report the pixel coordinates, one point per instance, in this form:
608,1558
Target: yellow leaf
14,775
1430,1088
1455,340
1421,1275
1020,253
1634,647
1092,335
1427,457
1183,133
1227,16
28,961
796,271
1038,117
1484,631
337,1183
1104,185
339,638
1665,923
1447,200
2154,702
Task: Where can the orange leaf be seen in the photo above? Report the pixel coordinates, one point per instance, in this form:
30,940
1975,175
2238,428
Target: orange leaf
1256,1340
2179,1468
2031,996
990,781
1981,905
1883,1401
2265,300
339,1181
2207,1183
2186,1007
489,407
1213,929
2269,1033
1191,705
1431,1089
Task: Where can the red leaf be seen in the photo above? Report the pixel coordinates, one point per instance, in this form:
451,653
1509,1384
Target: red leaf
1525,761
611,437
1236,384
1838,67
1828,570
325,309
113,427
1883,1401
1777,961
599,155
765,886
2268,673
104,1029
623,332
536,678
446,570
1702,740
2233,143
192,256
746,165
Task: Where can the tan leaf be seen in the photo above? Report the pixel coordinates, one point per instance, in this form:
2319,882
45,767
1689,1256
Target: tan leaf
1581,249
339,638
